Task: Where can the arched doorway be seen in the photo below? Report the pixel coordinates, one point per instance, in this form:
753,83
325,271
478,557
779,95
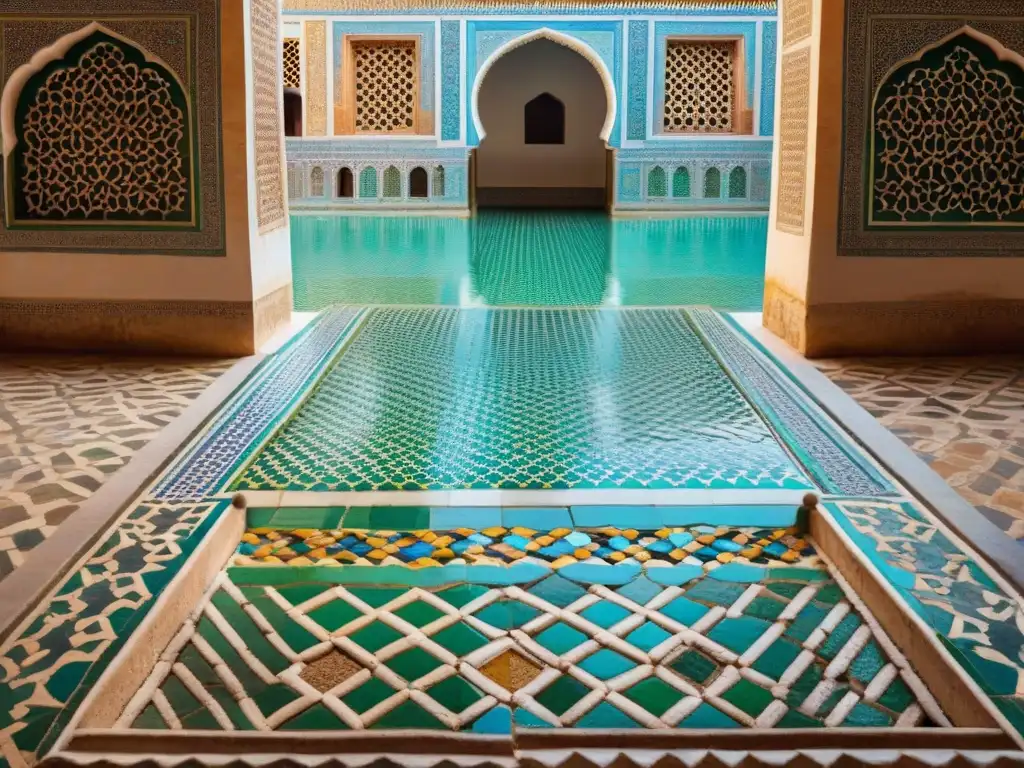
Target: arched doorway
292,112
543,108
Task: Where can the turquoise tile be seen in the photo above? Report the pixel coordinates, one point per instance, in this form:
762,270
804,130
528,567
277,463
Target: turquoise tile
606,664
605,614
388,518
536,518
640,518
610,575
476,518
647,636
495,722
606,716
307,517
676,575
684,611
743,573
560,638
557,590
706,716
746,516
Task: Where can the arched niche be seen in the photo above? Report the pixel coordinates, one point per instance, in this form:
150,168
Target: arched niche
945,136
134,100
544,120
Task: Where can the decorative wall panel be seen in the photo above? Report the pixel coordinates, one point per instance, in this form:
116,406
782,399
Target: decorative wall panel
700,90
945,139
769,57
636,117
796,91
124,101
178,44
316,78
451,97
385,73
797,21
290,49
911,49
271,206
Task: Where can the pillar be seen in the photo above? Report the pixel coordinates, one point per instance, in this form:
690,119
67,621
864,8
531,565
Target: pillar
164,229
883,237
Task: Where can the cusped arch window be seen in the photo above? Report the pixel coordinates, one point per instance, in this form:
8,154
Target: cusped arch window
738,182
712,183
544,120
656,182
122,98
392,182
316,182
418,182
681,182
946,130
368,182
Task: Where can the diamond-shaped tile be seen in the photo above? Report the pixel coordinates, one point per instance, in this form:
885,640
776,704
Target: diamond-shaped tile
413,664
562,694
330,670
511,670
418,613
654,695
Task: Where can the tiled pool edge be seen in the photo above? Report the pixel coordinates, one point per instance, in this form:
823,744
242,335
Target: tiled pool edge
923,482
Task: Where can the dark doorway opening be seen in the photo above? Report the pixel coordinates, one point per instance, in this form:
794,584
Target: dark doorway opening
544,120
292,112
346,185
418,183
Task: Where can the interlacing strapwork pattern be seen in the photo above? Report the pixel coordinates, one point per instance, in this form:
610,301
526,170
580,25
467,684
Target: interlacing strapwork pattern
948,144
385,74
316,182
76,128
271,208
292,63
700,89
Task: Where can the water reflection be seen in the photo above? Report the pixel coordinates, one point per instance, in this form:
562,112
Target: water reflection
528,258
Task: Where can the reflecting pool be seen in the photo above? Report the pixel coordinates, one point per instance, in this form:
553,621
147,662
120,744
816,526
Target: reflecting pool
529,258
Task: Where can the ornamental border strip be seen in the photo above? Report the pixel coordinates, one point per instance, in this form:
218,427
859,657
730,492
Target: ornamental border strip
258,408
818,446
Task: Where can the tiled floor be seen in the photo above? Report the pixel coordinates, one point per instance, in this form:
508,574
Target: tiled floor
67,423
964,416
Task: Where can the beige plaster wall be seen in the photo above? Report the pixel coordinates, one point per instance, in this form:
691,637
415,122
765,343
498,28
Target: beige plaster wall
504,160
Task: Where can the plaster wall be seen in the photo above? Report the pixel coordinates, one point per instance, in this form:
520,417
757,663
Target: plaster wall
505,160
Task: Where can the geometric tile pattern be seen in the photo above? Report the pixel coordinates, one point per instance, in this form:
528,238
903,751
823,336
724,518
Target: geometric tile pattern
84,624
834,463
771,649
694,545
67,423
962,416
977,618
253,412
439,398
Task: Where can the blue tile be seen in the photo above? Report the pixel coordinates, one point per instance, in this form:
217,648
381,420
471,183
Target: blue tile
753,516
641,518
477,518
739,572
536,518
676,575
589,573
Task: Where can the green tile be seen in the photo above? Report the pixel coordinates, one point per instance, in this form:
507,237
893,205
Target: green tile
806,621
748,697
335,614
507,614
387,518
317,718
368,695
536,518
684,611
201,720
461,594
840,635
715,592
455,694
562,694
460,639
560,638
764,608
694,666
307,517
375,636
413,664
419,613
868,663
209,632
273,697
296,636
150,718
375,597
794,719
408,714
777,658
180,698
296,594
259,517
1012,708
654,695
557,590
606,664
865,716
804,684
738,634
707,717
897,696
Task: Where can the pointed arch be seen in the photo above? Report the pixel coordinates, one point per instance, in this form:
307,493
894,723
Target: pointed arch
316,182
392,182
568,41
418,182
738,182
346,184
712,183
438,190
656,186
368,182
681,182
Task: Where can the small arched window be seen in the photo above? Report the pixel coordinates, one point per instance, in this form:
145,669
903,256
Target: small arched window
368,182
656,182
681,183
392,182
346,185
438,181
544,120
738,182
316,182
713,183
417,182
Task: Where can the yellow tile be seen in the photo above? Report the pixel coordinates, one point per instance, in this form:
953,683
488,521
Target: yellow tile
790,556
300,562
443,541
316,554
494,531
348,557
559,532
377,554
526,533
391,549
642,557
706,538
630,533
426,562
581,554
545,541
428,536
329,562
617,557
563,561
305,533
284,551
678,554
664,533
443,554
263,551
464,532
376,541
751,553
272,560
475,549
250,538
725,557
406,541
633,549
533,546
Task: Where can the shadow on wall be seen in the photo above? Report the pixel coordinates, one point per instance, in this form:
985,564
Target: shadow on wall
526,156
